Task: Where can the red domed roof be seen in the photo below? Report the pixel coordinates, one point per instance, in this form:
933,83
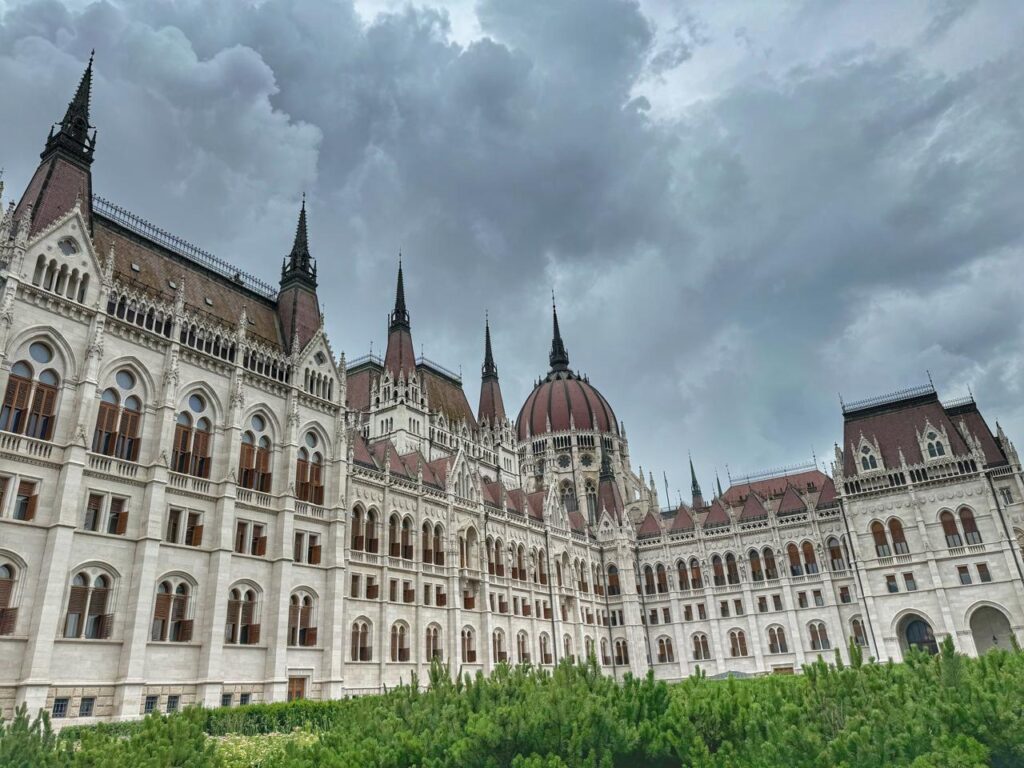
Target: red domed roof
564,400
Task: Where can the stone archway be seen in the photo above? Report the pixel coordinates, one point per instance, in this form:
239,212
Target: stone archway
915,632
990,629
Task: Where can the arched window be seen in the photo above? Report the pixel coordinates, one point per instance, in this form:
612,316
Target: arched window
771,571
545,649
621,652
737,643
920,635
971,532
241,627
192,439
468,646
881,541
701,650
309,471
662,579
819,636
30,402
683,575
835,554
935,446
949,529
407,552
569,497
434,649
696,582
358,538
89,602
606,659
172,612
756,573
613,581
394,536
8,613
591,493
732,572
254,457
372,542
810,561
899,539
859,636
567,650
777,640
588,646
118,420
522,648
399,642
665,653
648,580
361,648
426,535
498,646
795,568
867,459
718,571
438,545
301,620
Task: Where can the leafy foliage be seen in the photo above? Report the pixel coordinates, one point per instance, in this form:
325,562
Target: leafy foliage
946,710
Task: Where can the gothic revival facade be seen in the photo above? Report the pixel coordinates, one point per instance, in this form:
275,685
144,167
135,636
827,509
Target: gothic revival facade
200,502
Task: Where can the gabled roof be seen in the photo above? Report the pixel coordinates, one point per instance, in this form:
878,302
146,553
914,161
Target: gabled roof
753,509
827,497
716,516
535,504
649,528
577,521
770,487
791,503
683,520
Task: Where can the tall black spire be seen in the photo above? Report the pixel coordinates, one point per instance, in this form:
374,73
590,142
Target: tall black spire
695,492
559,357
400,317
72,133
489,370
299,264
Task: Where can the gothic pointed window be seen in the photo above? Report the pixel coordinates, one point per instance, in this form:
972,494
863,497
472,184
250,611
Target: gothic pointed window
936,448
867,458
591,494
192,439
30,400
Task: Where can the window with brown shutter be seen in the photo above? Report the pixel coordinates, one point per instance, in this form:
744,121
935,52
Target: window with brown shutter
8,620
233,618
161,615
128,436
254,634
40,419
173,525
302,479
78,597
240,536
262,469
314,555
12,414
182,460
117,522
201,454
185,631
92,512
245,465
293,624
25,503
193,530
104,438
260,546
8,615
97,610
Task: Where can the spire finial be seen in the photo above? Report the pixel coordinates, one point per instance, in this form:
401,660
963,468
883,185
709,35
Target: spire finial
73,131
559,357
489,368
299,263
698,497
400,316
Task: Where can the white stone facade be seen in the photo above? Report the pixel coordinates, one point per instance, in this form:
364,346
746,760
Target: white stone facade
143,572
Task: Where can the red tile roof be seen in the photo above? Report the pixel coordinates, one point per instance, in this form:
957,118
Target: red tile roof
564,399
649,527
753,509
52,192
683,520
772,487
791,503
716,516
827,497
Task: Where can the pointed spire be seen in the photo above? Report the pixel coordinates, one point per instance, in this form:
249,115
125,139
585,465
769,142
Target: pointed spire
489,368
400,317
559,357
299,264
73,132
719,484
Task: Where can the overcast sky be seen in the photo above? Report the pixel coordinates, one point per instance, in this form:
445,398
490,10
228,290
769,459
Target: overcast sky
745,208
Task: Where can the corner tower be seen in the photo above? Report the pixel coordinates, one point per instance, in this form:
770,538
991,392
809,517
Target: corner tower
297,303
64,174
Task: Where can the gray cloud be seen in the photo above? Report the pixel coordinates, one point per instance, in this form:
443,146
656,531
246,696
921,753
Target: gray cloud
835,221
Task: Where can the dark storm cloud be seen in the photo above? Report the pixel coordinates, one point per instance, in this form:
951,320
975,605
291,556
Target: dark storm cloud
723,267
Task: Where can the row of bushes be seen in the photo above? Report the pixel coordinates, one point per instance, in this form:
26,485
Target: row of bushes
946,710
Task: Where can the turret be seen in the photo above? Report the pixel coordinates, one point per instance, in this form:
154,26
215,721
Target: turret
297,303
400,359
492,407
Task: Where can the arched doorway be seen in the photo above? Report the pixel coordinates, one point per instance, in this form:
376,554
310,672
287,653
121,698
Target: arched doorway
990,629
916,632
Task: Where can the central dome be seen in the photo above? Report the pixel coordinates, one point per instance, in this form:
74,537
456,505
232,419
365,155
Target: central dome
563,400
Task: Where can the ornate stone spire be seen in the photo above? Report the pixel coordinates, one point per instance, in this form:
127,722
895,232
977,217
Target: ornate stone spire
400,316
72,133
400,357
492,406
698,497
559,357
300,265
489,369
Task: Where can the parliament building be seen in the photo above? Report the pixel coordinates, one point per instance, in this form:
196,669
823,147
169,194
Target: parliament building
202,503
